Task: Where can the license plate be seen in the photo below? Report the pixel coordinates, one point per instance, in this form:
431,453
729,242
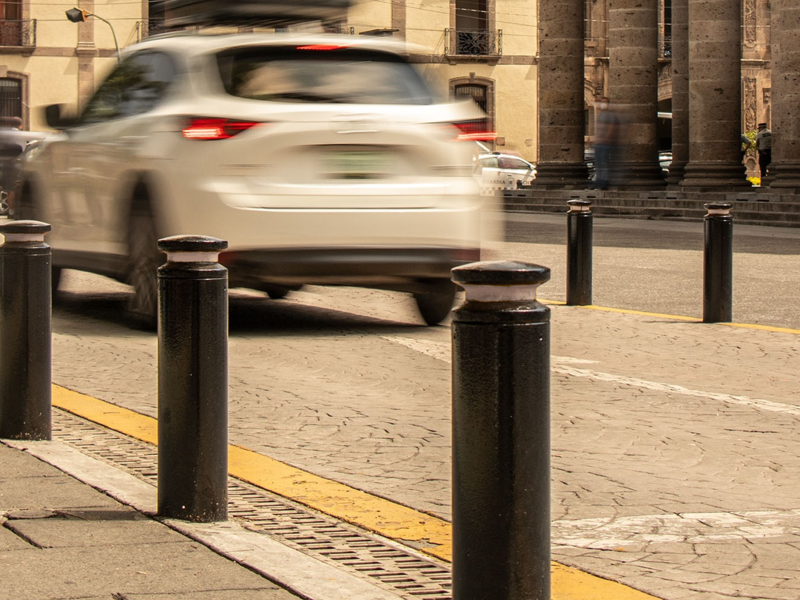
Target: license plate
357,164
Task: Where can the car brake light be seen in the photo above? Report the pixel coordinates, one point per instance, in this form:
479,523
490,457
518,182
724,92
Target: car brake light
323,47
204,128
474,131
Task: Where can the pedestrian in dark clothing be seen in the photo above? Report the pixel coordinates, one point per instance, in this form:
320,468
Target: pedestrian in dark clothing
764,147
606,140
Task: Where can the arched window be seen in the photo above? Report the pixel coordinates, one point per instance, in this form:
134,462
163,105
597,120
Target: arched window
481,90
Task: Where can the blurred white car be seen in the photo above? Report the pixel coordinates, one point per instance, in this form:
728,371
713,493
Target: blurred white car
321,159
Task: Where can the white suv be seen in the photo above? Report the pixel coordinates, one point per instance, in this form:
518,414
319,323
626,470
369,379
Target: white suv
320,159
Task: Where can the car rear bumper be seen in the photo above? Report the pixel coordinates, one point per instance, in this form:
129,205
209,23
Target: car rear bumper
383,267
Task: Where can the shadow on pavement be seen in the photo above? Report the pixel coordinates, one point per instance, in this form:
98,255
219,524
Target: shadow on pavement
103,314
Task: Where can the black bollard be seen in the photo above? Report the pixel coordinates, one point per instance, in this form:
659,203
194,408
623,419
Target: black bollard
501,434
193,380
25,338
579,253
718,264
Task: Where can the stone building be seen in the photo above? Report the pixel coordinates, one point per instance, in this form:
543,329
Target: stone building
46,59
731,63
756,82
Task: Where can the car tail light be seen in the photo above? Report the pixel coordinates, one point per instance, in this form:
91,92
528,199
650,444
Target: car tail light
205,128
475,131
323,47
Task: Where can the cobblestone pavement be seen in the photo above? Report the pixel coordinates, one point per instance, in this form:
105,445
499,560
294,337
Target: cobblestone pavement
675,462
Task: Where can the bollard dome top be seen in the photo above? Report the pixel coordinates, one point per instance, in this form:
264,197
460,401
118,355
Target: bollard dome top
501,273
191,243
578,205
24,227
718,206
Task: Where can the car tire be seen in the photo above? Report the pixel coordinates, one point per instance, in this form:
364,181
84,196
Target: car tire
55,279
144,258
277,293
434,305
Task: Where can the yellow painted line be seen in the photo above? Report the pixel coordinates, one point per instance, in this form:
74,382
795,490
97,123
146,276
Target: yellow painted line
572,584
114,417
641,313
764,328
348,504
430,534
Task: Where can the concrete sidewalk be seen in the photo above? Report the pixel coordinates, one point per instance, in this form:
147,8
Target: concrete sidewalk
61,538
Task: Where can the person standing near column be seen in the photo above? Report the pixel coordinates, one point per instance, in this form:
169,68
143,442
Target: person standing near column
606,141
764,147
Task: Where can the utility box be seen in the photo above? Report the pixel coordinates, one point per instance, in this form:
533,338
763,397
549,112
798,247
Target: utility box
272,13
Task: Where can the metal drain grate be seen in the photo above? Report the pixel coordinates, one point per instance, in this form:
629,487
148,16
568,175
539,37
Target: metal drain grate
386,564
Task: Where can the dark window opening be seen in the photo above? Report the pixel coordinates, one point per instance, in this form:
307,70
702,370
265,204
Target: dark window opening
10,22
10,99
472,27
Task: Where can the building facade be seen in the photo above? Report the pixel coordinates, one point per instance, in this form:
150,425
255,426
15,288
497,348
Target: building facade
480,49
46,59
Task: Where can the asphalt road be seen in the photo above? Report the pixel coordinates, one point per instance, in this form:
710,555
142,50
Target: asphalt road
657,266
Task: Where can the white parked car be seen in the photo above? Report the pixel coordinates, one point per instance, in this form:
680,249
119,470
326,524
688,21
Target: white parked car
504,171
321,159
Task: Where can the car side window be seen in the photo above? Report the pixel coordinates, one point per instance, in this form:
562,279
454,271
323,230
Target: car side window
506,162
489,162
135,87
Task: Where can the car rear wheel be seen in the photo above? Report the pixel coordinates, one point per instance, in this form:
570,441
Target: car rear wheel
144,259
434,305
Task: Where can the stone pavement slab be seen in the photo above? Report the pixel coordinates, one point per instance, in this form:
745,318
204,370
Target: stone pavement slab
61,539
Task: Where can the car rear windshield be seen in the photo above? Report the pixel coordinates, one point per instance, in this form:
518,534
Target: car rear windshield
320,73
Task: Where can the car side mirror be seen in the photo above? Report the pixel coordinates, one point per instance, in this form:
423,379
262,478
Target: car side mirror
56,118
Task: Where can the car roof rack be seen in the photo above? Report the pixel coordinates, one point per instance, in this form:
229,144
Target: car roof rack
250,13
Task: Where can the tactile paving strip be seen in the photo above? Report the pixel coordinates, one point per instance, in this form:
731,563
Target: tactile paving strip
386,564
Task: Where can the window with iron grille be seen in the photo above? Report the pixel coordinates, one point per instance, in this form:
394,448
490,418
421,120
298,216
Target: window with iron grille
481,95
472,27
10,98
10,22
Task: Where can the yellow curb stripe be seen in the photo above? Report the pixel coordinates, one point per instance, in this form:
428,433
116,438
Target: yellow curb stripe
572,584
338,500
641,313
348,504
430,534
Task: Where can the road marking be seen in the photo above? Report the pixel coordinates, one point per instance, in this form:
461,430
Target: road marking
442,350
400,523
640,313
667,388
634,533
560,364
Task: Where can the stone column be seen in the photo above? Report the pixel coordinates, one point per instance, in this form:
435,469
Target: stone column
633,89
715,96
680,91
561,107
785,166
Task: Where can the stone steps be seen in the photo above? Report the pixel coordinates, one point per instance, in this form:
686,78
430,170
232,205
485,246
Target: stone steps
752,208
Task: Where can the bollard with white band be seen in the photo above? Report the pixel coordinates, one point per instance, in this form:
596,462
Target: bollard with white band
579,253
501,434
193,380
718,263
25,337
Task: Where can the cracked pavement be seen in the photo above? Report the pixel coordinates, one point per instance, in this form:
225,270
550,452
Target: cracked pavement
674,444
